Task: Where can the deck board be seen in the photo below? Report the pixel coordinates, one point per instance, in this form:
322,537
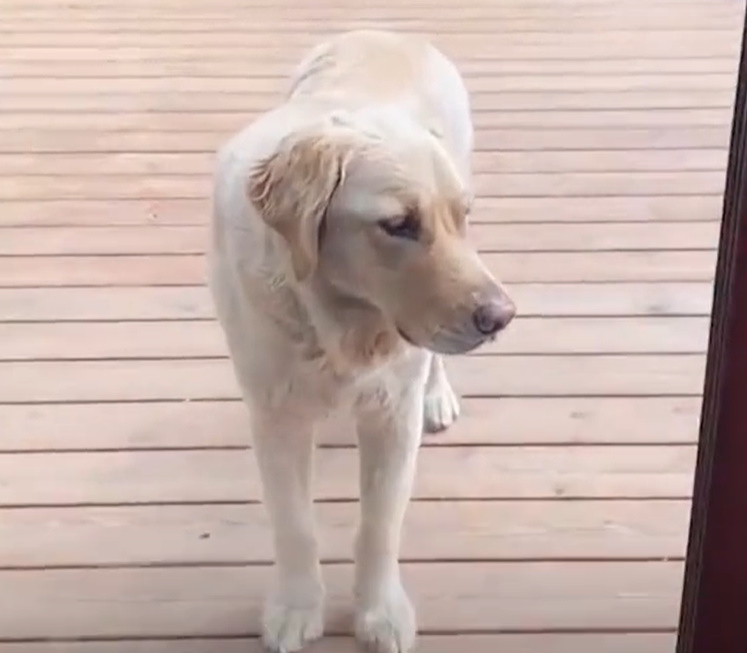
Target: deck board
148,535
489,237
509,643
204,339
620,299
552,517
89,212
488,185
197,601
554,421
511,267
214,475
198,379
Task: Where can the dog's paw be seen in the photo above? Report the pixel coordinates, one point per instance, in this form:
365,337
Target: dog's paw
289,624
388,625
440,406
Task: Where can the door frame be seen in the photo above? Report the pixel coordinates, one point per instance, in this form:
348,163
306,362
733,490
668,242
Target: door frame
713,613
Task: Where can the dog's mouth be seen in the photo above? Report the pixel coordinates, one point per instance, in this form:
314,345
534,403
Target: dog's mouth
405,337
448,343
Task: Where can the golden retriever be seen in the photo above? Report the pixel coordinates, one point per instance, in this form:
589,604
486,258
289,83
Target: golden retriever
341,274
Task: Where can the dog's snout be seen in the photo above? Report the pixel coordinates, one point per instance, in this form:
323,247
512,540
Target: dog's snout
493,316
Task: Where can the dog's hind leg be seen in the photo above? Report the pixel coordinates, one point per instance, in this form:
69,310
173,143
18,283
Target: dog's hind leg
283,445
441,404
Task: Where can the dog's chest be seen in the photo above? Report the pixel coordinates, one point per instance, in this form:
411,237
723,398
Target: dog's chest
312,387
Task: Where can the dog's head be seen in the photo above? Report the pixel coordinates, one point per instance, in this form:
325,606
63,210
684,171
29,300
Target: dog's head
380,213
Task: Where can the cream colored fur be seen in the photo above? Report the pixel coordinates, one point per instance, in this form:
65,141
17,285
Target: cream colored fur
324,310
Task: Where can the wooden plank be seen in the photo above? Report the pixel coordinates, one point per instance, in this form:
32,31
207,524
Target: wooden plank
510,267
33,304
195,67
584,184
487,139
237,535
158,239
450,597
168,425
88,341
621,160
198,379
519,643
318,12
102,270
153,239
532,6
278,85
294,11
599,236
718,41
614,299
314,26
346,10
193,302
182,101
301,17
644,50
593,209
74,164
228,121
323,22
108,5
206,476
527,209
404,18
191,6
172,339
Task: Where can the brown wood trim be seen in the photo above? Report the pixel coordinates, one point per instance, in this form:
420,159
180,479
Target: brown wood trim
713,616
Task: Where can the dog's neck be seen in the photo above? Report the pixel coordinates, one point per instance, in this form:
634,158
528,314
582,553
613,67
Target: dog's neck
352,334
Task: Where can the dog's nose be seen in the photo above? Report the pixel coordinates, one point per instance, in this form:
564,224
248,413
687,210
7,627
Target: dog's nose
493,316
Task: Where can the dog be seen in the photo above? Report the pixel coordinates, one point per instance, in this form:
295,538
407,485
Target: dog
341,276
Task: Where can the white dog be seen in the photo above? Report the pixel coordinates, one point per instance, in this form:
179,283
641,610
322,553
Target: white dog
341,273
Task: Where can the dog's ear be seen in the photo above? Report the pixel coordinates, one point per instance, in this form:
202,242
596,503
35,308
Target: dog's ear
293,187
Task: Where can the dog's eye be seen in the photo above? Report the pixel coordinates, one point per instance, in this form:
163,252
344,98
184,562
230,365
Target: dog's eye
406,226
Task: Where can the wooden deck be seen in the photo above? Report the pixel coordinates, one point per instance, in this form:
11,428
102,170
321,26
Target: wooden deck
552,518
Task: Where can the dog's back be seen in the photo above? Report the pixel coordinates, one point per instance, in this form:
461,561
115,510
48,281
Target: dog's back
369,66
364,68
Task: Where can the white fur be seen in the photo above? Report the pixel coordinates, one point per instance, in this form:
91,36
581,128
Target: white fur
271,323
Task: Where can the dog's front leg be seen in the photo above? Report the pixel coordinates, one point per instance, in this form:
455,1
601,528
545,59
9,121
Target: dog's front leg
389,431
283,446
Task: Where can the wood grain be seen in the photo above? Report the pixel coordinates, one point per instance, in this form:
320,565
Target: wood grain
487,237
669,208
523,420
202,379
195,339
207,476
215,120
535,162
450,597
238,535
513,101
509,267
518,643
488,185
621,299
